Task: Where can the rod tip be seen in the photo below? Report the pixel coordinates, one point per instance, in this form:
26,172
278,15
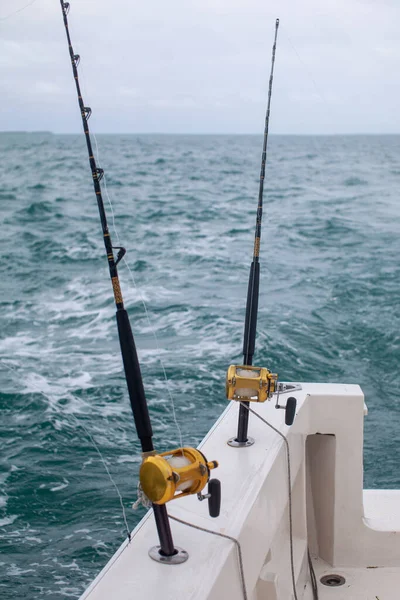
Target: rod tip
277,23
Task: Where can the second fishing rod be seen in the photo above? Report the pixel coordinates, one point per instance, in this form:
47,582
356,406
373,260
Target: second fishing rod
246,383
250,326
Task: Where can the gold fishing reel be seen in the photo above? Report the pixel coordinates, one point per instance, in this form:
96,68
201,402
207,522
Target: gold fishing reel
250,384
179,473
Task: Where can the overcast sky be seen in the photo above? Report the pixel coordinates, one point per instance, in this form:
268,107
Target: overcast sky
202,66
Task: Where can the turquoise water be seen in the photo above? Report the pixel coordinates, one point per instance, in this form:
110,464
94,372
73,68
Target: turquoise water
184,207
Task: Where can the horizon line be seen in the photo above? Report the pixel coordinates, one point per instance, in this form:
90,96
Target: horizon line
46,132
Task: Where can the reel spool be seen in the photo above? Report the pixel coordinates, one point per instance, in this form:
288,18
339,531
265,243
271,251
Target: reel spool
250,384
178,473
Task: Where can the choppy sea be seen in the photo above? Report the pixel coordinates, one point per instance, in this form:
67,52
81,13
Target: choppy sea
184,207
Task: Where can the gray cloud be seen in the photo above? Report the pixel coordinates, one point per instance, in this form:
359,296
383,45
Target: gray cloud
203,66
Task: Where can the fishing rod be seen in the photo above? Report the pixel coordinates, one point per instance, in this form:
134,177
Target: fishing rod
170,475
247,383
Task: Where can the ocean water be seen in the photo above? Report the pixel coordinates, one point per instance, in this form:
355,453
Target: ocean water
184,207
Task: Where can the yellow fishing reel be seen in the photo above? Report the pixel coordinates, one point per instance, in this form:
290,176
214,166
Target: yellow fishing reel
257,384
179,473
250,384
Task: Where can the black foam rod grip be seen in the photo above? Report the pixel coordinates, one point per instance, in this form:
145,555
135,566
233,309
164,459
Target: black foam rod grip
250,325
134,381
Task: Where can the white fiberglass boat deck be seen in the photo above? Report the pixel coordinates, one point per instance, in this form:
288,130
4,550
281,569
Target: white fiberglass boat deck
370,583
350,533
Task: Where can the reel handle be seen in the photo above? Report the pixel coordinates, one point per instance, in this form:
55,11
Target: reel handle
290,410
214,497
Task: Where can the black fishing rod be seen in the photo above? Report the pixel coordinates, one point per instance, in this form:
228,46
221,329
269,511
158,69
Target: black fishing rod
129,355
162,477
250,326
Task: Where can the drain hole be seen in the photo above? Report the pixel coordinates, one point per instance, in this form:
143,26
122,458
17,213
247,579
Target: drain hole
332,580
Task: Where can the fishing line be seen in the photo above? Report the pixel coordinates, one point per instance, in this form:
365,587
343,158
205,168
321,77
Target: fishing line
159,358
307,70
142,500
17,11
128,531
227,537
290,493
139,293
91,439
137,289
312,572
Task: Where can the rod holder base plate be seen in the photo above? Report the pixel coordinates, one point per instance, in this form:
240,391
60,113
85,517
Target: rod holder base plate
181,556
235,444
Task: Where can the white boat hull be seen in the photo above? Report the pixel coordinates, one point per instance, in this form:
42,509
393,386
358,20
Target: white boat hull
350,532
